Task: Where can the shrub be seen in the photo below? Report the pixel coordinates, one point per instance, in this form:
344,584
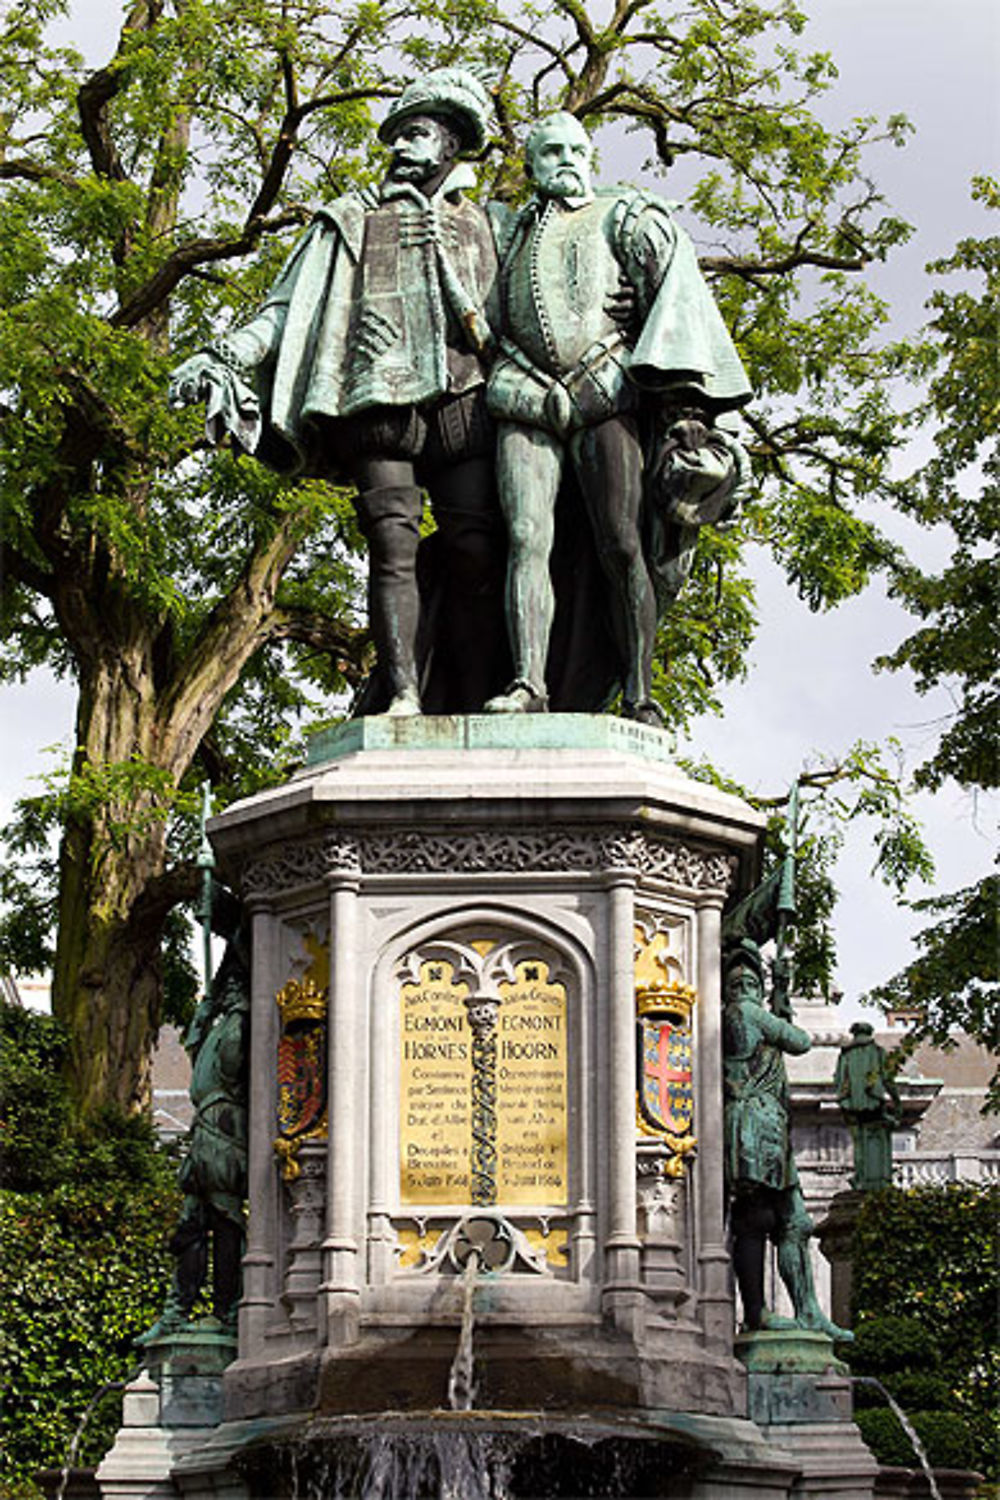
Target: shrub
930,1253
84,1220
885,1344
946,1438
926,1296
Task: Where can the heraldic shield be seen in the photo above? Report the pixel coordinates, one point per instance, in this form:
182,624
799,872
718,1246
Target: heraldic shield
665,1084
301,1104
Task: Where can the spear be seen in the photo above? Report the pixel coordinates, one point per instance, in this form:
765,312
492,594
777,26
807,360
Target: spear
206,864
786,889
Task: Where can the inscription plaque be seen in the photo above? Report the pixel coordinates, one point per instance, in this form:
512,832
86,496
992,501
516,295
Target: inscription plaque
531,1089
435,1108
528,1062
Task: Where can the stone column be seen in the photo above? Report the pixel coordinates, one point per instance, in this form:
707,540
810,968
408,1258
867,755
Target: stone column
714,1280
340,1291
260,1288
623,1298
383,1152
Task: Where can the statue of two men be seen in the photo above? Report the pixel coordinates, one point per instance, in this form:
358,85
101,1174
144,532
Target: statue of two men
567,355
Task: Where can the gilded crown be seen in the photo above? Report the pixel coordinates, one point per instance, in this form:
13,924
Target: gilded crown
668,996
301,1000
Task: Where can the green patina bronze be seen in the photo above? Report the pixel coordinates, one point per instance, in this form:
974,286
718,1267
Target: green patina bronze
213,1173
501,361
367,366
869,1098
613,364
762,1182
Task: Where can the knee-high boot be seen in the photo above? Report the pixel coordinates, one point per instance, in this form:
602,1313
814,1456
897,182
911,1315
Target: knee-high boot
390,520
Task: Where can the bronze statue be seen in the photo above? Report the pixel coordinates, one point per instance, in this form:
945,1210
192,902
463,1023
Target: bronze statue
213,1173
367,364
613,364
868,1096
762,1182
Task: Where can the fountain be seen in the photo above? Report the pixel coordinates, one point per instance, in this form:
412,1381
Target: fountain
486,1250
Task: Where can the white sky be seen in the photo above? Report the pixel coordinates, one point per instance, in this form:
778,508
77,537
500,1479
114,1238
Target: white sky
811,690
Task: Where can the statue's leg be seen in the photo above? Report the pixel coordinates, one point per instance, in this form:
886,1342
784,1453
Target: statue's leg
467,512
189,1244
794,1232
529,468
227,1254
751,1221
389,506
608,462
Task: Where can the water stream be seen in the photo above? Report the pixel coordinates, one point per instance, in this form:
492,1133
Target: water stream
907,1427
81,1426
461,1379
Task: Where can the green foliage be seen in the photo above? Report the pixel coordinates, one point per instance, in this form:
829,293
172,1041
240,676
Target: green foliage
958,642
926,1298
85,1214
886,1345
208,611
946,1439
953,983
84,1272
859,787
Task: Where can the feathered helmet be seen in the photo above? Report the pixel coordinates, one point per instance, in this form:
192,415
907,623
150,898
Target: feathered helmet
453,93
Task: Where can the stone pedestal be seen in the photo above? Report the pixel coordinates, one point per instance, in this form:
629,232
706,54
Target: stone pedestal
800,1399
835,1234
486,1107
477,902
169,1410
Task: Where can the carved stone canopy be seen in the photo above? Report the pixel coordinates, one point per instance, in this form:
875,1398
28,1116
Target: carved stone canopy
602,848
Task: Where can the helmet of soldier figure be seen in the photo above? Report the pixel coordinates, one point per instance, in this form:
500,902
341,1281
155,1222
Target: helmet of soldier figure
452,94
743,954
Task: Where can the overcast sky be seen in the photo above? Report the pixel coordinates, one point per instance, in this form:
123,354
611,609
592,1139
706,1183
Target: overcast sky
811,692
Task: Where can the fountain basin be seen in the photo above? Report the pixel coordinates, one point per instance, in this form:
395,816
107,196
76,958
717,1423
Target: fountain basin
488,1455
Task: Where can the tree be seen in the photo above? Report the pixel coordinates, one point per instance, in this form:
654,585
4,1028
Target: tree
201,606
953,983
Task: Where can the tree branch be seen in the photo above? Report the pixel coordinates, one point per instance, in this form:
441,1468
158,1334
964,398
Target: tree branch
738,265
238,626
94,96
186,258
14,565
312,628
26,170
161,893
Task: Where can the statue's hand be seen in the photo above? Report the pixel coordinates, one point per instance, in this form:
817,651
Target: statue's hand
620,305
781,979
690,432
192,381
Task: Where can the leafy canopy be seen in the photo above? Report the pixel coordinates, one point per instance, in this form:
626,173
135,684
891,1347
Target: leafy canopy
206,611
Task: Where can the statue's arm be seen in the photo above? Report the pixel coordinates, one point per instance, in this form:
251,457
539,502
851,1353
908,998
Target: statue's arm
224,374
784,1034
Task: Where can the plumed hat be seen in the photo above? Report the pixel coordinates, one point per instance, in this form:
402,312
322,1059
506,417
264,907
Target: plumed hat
453,93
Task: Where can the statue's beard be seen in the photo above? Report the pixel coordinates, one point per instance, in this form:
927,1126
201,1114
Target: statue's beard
566,183
413,171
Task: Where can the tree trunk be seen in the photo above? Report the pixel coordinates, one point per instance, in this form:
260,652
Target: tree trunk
107,975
